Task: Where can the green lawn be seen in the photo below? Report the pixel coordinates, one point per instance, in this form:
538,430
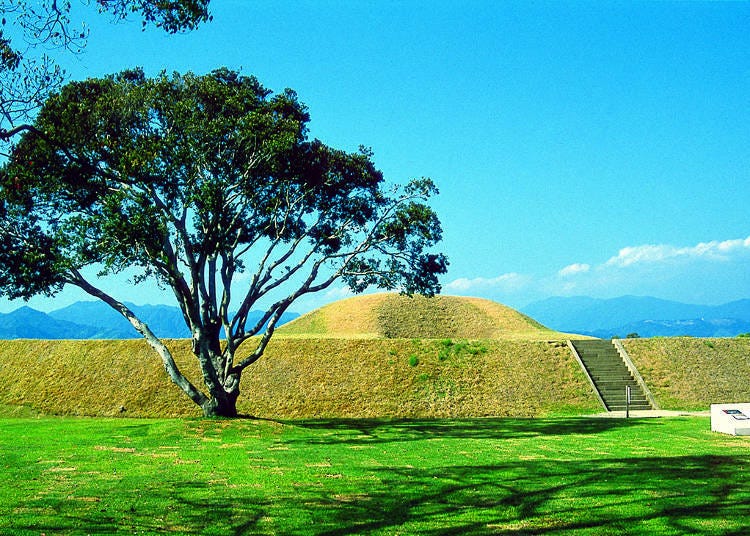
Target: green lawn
480,476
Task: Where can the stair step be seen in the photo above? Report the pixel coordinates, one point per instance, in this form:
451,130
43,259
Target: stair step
610,375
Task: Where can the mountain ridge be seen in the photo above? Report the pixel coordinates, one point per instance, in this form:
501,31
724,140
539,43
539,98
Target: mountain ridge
645,315
96,320
604,318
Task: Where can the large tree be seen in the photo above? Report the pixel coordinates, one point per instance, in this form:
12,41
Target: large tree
210,185
30,29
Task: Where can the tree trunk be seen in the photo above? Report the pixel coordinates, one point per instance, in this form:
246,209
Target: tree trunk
224,402
222,406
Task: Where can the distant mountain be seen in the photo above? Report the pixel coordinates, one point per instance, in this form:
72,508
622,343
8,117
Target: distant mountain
28,323
646,316
697,327
96,320
164,321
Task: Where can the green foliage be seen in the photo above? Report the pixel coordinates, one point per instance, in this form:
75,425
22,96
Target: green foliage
371,476
413,360
123,161
173,16
446,346
710,344
449,348
28,72
192,180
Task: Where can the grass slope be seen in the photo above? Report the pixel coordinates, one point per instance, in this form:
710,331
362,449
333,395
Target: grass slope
567,476
690,373
301,377
378,355
393,316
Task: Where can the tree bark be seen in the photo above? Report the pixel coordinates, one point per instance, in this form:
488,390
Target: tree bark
223,401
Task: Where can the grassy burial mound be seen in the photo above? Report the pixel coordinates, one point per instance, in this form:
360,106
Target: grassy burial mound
690,373
392,316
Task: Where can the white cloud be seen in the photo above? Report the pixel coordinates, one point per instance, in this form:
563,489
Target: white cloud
509,281
573,269
338,293
707,272
655,253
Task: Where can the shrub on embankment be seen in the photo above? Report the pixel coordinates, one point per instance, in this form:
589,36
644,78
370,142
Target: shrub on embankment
305,378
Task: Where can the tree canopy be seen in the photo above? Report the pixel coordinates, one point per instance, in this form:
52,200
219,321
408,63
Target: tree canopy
211,186
30,28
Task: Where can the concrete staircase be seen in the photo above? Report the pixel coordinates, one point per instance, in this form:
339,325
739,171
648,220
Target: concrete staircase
610,375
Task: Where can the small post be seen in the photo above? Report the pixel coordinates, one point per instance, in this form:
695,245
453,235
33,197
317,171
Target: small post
627,401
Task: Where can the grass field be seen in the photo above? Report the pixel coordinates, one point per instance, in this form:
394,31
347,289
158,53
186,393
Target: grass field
466,476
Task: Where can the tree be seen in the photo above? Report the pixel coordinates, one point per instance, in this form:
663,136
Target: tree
210,185
27,78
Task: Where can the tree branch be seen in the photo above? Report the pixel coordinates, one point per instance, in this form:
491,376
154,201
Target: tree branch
166,356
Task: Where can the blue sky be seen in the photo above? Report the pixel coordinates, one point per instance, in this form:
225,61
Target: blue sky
581,148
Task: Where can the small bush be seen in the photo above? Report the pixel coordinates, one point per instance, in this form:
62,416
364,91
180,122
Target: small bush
710,344
475,349
460,347
413,360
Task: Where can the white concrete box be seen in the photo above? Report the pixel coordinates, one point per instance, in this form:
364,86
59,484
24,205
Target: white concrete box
732,419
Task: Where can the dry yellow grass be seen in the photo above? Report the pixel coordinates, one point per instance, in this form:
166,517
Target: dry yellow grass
103,378
393,316
379,355
351,318
691,373
417,378
304,377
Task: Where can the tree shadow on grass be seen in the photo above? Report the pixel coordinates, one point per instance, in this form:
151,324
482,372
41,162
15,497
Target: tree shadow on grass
681,495
705,494
373,431
188,508
564,494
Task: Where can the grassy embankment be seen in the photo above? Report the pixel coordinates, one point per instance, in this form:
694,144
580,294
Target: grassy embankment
376,356
369,356
305,378
485,476
688,373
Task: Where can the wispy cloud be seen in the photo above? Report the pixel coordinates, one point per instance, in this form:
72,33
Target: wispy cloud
705,272
573,269
655,253
505,282
338,293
